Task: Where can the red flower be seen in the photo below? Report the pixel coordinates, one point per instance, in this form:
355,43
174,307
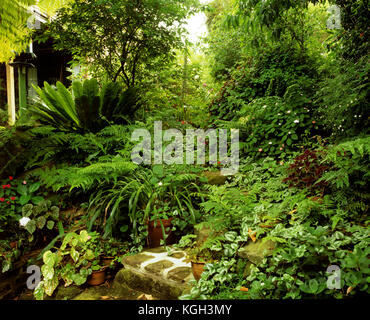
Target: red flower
4,186
219,162
10,178
8,202
182,122
314,122
8,186
2,199
12,198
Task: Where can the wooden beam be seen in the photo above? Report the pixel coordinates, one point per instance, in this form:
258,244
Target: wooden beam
10,85
22,85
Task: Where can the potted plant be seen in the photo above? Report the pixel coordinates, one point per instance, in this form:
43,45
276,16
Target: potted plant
198,254
97,267
111,252
199,257
163,200
72,263
97,276
159,226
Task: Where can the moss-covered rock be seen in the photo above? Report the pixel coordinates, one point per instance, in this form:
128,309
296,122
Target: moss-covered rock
204,232
109,293
177,255
215,177
255,252
67,293
149,284
156,250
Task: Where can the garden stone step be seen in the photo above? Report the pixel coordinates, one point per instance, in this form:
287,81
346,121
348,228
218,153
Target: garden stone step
156,272
102,292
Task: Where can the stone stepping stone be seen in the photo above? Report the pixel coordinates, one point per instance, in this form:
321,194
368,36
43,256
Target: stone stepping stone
156,272
158,267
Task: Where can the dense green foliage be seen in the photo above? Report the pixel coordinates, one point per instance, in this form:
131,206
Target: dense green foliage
15,24
121,39
297,91
87,108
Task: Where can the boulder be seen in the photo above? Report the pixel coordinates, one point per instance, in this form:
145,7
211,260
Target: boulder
215,177
136,260
149,284
102,292
203,232
255,252
67,293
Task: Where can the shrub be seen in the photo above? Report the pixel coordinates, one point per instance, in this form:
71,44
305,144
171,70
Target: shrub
14,194
272,127
13,154
344,99
306,170
40,216
87,108
348,179
274,71
298,267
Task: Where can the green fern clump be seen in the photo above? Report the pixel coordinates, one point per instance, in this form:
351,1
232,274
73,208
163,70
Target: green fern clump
344,99
46,144
87,177
349,177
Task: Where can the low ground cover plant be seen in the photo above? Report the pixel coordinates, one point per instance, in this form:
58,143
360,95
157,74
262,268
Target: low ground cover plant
293,82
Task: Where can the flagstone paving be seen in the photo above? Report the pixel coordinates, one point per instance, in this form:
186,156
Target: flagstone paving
157,272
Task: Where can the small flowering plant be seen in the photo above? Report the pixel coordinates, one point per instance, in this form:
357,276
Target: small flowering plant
7,191
14,194
8,203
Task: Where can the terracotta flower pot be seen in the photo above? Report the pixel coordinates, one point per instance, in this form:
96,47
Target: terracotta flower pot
197,268
96,278
106,261
155,233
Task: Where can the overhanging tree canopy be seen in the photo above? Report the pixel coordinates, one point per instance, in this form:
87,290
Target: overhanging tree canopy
121,37
273,14
14,33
